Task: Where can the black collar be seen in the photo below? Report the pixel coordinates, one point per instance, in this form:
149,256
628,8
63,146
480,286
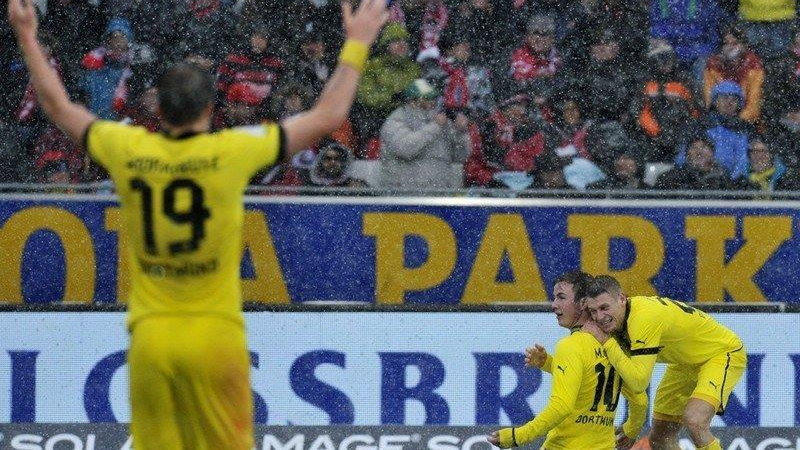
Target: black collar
181,136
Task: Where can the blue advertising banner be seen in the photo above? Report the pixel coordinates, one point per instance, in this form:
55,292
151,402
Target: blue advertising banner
428,250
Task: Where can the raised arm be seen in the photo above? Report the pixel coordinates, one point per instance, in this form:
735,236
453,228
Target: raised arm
72,118
634,370
333,106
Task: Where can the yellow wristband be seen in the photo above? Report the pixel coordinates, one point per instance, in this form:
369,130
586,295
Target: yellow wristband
354,54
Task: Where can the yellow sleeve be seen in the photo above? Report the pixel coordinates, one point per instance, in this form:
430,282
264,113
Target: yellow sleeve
255,147
637,411
548,364
634,370
566,384
106,141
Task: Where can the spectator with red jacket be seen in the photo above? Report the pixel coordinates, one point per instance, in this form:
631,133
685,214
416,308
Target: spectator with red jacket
255,67
508,141
537,61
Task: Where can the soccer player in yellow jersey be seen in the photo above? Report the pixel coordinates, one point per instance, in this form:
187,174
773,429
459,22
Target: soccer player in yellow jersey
705,359
181,199
585,393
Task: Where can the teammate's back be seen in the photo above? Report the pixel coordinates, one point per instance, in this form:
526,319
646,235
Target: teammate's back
683,334
183,196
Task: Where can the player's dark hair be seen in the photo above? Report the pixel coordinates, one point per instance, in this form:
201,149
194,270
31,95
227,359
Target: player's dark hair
578,279
184,91
602,284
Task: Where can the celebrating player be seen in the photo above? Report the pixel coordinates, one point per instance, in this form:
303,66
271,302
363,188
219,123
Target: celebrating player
181,196
585,393
705,359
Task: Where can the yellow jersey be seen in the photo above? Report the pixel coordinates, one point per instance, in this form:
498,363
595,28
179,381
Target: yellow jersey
583,400
659,329
182,212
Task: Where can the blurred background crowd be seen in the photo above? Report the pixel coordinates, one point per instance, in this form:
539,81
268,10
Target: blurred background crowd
547,94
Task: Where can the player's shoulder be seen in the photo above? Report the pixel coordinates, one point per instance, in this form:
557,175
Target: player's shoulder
576,342
103,126
253,131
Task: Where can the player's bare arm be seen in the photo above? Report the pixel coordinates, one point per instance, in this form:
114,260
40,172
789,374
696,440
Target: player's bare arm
72,118
333,106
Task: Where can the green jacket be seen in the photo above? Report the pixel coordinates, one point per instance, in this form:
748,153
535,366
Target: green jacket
384,77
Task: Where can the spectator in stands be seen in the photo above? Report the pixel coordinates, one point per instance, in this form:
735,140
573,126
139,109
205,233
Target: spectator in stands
606,84
15,165
485,25
108,69
536,63
786,134
769,24
666,106
736,62
420,144
549,172
627,174
242,106
293,98
628,18
467,86
255,66
154,23
605,140
385,77
564,13
569,129
508,140
424,20
701,171
143,110
329,169
29,115
312,64
691,27
766,169
79,26
206,29
781,83
728,133
56,158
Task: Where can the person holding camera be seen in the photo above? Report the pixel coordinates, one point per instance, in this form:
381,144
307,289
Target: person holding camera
420,143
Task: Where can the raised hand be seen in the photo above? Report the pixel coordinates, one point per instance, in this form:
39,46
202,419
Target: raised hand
366,22
22,16
535,356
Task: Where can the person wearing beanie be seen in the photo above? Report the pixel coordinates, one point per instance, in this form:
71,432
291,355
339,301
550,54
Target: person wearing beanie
666,105
736,62
537,58
728,133
420,143
108,69
386,75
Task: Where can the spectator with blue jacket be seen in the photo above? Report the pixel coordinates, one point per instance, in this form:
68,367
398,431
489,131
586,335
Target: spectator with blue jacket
108,69
723,127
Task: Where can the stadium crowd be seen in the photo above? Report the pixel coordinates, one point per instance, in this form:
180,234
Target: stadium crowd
550,94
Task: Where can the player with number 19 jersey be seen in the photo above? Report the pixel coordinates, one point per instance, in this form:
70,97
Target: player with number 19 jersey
583,400
184,195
